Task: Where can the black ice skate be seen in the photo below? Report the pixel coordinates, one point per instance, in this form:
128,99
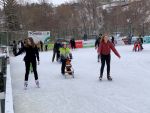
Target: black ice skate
109,78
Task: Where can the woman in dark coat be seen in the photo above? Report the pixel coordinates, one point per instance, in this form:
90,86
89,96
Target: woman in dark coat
32,54
73,43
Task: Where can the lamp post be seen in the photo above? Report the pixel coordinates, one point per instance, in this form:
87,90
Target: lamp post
143,29
21,30
130,30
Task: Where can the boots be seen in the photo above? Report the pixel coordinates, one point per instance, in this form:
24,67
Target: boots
37,83
25,85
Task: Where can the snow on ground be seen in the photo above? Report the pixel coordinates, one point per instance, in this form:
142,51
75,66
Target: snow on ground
127,93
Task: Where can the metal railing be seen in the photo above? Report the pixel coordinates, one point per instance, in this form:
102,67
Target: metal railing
3,69
6,100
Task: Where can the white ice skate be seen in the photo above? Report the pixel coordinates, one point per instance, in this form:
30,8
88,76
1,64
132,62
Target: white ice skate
25,85
37,83
100,78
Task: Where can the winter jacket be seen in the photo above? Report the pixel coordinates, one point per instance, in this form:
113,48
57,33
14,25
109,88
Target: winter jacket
56,47
105,49
141,40
65,53
97,42
31,53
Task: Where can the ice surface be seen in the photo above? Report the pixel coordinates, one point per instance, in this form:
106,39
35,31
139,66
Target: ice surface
128,92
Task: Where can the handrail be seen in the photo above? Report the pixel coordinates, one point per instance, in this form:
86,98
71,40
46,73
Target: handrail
6,96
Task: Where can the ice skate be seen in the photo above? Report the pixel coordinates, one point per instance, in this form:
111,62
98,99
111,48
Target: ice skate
37,83
25,85
100,78
109,78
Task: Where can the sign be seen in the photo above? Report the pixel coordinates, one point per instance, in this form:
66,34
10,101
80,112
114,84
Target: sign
39,35
89,43
79,44
146,39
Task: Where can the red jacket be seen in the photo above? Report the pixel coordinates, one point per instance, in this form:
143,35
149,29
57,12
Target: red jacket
105,48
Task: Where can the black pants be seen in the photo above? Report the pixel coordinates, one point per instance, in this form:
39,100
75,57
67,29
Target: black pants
98,57
105,58
57,54
14,51
27,65
63,66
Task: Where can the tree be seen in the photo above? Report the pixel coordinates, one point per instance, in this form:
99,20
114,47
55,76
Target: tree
10,10
91,15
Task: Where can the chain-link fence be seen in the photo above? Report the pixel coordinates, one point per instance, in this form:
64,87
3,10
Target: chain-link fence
7,37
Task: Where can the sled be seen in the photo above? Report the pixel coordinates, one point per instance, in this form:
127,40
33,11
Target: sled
69,71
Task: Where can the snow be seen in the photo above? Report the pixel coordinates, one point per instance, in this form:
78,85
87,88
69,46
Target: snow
8,94
127,93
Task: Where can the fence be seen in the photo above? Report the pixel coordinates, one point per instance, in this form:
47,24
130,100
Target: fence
6,101
7,37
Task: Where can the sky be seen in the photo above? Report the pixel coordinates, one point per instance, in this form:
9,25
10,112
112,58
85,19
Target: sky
55,2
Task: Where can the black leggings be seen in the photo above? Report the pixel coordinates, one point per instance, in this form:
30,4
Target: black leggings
99,57
27,65
104,58
63,66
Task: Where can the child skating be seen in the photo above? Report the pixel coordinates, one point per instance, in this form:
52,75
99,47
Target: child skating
65,55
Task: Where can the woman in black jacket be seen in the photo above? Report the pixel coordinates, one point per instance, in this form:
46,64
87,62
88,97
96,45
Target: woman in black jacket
30,58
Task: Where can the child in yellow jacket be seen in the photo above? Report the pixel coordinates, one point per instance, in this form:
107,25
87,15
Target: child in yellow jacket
64,54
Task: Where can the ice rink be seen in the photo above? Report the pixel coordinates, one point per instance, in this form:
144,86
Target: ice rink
129,92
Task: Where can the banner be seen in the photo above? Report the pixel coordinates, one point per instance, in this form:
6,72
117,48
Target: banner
79,43
146,39
39,35
89,43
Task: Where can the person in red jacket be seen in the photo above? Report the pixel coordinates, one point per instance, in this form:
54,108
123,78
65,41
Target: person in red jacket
105,51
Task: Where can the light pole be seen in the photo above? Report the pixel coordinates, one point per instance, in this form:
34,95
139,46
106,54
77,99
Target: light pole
143,29
130,30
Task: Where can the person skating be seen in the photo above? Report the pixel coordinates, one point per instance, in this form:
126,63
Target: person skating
141,42
64,54
14,47
32,54
46,47
56,51
137,45
72,43
97,43
20,45
113,40
105,51
41,45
